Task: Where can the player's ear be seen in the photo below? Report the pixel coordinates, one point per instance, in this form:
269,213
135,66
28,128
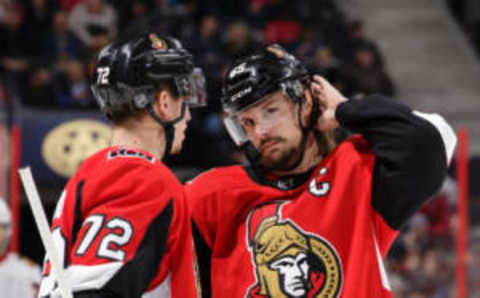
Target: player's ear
162,103
307,107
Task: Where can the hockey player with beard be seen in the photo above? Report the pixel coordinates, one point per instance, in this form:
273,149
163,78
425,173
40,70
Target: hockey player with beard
122,222
307,217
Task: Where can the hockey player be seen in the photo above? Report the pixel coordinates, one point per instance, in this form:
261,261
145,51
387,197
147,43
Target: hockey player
122,223
19,277
305,219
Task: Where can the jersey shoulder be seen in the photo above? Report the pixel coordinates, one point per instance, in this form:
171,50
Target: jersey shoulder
352,148
218,179
118,173
118,161
116,157
355,142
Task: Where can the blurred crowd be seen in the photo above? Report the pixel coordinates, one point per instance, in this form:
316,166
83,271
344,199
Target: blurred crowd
48,47
422,262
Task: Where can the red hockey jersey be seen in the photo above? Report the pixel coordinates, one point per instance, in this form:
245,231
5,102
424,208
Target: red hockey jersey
323,233
123,229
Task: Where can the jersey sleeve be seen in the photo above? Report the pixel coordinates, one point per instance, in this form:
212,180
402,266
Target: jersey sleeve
115,231
412,152
185,280
202,199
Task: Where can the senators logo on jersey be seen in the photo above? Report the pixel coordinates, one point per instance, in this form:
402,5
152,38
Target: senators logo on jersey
290,262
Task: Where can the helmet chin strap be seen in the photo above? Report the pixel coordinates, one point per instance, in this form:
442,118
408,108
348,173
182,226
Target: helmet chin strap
168,126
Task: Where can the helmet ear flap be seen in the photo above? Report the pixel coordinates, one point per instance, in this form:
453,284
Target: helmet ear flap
293,89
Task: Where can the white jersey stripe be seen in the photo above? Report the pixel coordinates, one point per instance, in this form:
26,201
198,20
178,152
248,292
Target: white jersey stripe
448,134
163,290
91,277
381,266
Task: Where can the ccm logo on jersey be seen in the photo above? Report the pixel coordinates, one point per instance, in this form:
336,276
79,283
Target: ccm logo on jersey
317,187
129,153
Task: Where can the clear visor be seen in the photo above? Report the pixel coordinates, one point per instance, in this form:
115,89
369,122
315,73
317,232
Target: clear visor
235,130
193,88
258,119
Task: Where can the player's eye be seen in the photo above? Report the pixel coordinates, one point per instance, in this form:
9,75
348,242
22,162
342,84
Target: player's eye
272,110
248,123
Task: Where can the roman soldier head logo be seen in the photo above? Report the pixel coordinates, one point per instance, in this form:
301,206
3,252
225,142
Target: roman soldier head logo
290,262
157,42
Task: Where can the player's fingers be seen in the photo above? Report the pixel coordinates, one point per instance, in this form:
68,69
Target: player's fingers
324,84
319,94
320,80
317,89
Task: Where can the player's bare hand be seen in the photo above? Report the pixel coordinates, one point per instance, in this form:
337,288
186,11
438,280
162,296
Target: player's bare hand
329,98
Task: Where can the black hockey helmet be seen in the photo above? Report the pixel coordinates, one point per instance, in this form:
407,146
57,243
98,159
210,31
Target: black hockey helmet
128,73
252,78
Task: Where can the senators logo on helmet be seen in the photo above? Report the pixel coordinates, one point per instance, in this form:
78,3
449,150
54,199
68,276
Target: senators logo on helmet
157,42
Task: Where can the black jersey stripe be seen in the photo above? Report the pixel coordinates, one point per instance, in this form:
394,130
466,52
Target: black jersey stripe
204,256
133,279
77,214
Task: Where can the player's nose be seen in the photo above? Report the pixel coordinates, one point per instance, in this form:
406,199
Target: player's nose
261,130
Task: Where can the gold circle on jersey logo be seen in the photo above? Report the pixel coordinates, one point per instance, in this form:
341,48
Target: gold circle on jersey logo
293,263
69,144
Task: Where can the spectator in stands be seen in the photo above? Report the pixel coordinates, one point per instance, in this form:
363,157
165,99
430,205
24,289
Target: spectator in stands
365,76
357,39
61,42
40,91
283,25
438,214
16,47
131,12
205,45
311,40
94,22
38,23
326,64
417,233
474,262
3,94
73,86
228,9
397,268
68,5
238,40
435,267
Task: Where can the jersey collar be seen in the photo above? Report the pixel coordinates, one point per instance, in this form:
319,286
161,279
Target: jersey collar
283,183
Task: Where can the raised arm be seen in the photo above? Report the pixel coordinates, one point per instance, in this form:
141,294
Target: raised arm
412,149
